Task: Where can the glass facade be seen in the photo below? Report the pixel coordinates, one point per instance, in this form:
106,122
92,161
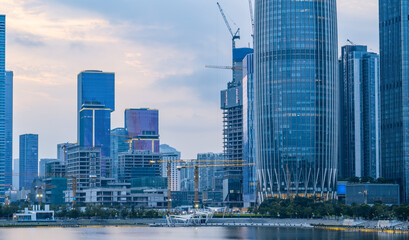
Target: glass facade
394,56
119,144
249,150
96,101
9,127
143,129
360,120
296,98
3,148
28,161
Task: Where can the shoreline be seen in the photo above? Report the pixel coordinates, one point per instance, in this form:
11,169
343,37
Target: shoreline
333,225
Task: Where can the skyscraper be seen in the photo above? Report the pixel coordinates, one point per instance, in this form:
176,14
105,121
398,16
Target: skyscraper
232,106
296,97
96,101
169,153
360,121
42,166
143,129
9,127
394,55
249,150
119,144
28,160
3,157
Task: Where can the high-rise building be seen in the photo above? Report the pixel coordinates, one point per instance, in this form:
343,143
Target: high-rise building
119,144
96,101
359,115
85,164
169,153
296,97
28,160
138,164
249,147
9,127
16,174
143,129
210,178
232,106
42,166
62,152
394,88
3,125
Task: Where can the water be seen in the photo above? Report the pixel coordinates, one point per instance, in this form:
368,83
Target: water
219,233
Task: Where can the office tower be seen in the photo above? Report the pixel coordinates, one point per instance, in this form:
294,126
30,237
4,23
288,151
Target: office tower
360,121
85,164
296,97
138,164
232,106
249,147
210,178
28,160
62,152
3,125
169,153
143,129
96,101
16,174
42,166
394,56
9,127
55,169
119,144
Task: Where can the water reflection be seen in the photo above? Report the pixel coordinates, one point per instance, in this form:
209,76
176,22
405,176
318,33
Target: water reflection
123,233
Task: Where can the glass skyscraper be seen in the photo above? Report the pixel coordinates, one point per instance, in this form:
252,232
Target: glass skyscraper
119,144
143,129
96,101
28,160
360,120
394,55
9,127
249,150
3,157
296,97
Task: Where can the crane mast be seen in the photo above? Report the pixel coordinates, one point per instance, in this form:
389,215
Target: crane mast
235,35
251,17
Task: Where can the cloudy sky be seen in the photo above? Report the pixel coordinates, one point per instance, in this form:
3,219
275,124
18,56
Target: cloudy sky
158,50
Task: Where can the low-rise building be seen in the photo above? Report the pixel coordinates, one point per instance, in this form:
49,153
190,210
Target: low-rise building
35,215
370,193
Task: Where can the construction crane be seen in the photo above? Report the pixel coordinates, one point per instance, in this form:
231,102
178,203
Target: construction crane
224,67
196,174
186,162
251,17
235,35
352,43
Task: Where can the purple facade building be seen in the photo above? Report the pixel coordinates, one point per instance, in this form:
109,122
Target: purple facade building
143,129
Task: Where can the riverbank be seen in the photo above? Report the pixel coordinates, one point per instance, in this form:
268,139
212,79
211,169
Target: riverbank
394,227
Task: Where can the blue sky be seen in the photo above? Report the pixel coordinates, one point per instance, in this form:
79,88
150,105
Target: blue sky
157,48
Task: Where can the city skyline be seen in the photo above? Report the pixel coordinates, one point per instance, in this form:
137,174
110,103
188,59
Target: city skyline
188,109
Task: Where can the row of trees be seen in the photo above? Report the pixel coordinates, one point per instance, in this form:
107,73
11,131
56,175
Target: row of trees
101,212
313,208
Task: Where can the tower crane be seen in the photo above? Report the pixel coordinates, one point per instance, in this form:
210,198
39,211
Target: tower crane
224,67
193,163
235,35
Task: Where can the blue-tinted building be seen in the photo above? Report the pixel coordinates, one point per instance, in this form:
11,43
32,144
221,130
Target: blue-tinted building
28,159
360,120
394,56
232,106
9,127
249,147
96,101
3,157
296,97
143,129
43,166
119,144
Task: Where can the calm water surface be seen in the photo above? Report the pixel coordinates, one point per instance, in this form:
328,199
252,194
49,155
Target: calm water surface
112,233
